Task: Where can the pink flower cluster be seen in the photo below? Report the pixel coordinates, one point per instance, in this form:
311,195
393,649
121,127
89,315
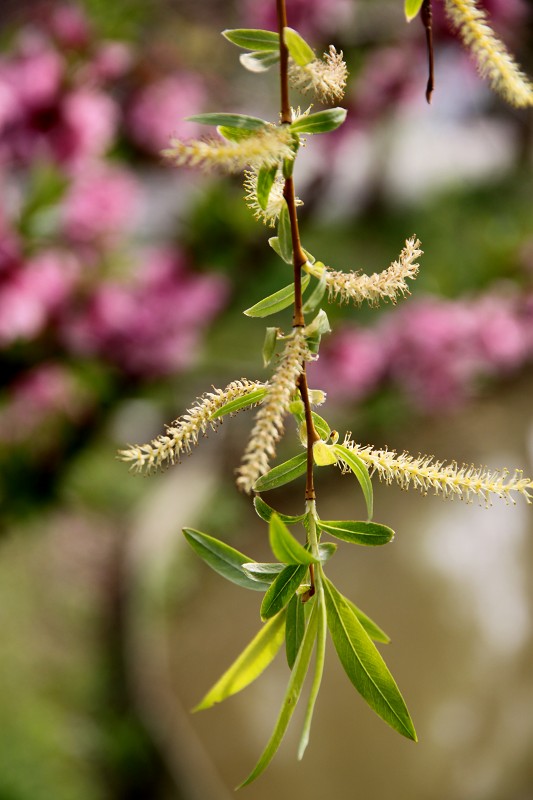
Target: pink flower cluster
436,351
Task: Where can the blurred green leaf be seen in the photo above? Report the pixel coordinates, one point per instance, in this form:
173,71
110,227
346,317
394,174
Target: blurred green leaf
250,399
265,512
242,121
319,669
222,558
265,180
411,8
258,62
266,572
321,122
269,345
284,234
252,38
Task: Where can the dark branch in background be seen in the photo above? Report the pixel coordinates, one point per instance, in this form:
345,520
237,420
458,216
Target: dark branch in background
427,21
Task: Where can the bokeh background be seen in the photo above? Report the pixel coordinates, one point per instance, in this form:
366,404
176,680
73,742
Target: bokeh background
122,283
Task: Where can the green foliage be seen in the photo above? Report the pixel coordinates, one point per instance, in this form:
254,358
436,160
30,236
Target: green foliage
412,8
321,122
298,47
276,302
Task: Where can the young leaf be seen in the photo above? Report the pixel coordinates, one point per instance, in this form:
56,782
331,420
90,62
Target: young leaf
374,631
263,571
280,592
321,426
411,8
368,533
323,454
258,62
222,558
319,669
233,134
359,469
321,122
364,665
291,698
282,474
294,629
253,39
281,299
319,325
229,120
316,296
326,550
265,512
275,245
269,345
249,399
285,547
253,660
284,234
265,180
298,48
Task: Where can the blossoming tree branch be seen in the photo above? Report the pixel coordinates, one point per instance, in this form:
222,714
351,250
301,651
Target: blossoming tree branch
300,603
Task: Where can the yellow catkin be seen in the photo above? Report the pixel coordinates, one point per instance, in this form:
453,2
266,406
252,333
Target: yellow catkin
265,148
492,57
269,424
381,286
448,480
185,431
270,214
324,78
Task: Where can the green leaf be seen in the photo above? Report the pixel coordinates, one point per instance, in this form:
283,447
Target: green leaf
359,469
253,660
265,180
323,454
229,120
282,589
265,512
316,296
319,325
233,134
367,533
321,122
364,665
278,301
263,571
252,38
269,345
282,473
412,7
258,62
284,234
319,669
275,245
222,558
373,630
250,399
285,547
294,629
326,550
291,698
298,48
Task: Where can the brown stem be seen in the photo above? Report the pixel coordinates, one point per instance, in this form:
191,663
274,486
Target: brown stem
299,260
426,15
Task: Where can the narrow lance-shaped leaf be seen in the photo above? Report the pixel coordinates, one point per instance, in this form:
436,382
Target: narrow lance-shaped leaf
281,591
373,630
359,469
411,8
319,669
222,558
291,698
285,234
285,547
294,629
249,665
298,48
265,180
364,665
366,533
253,38
321,122
249,399
278,301
258,62
263,571
265,512
229,120
282,473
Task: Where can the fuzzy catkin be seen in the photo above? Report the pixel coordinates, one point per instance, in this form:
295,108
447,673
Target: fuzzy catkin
492,57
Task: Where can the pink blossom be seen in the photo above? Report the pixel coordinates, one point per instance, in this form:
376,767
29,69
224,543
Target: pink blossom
157,111
502,338
309,17
101,203
69,26
151,326
33,74
352,364
90,120
110,61
31,294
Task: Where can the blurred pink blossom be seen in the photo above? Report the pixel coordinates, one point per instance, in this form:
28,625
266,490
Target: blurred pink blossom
32,293
157,111
502,338
101,204
69,26
110,61
152,326
90,120
309,17
352,364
